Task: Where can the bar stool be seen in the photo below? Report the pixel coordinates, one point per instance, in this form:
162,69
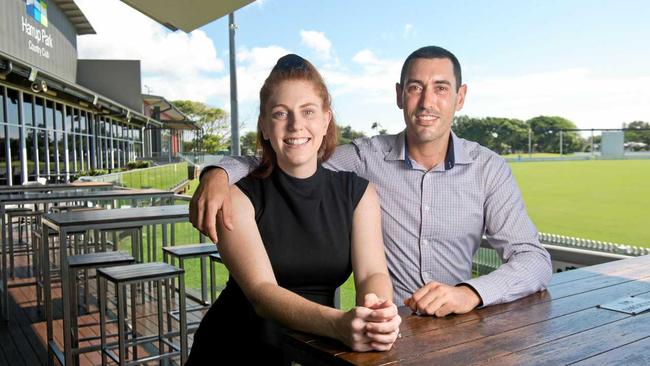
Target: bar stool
26,218
133,274
80,244
85,262
182,253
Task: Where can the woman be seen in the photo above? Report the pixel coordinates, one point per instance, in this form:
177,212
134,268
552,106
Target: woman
298,231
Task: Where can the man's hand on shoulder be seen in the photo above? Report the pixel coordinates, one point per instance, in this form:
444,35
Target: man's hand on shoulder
211,196
440,300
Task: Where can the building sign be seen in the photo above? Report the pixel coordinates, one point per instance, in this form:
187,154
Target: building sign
39,34
37,9
40,41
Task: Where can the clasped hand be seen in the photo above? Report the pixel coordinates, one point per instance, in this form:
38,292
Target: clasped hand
440,300
373,326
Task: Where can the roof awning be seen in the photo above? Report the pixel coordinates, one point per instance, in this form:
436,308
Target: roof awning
74,14
170,116
186,15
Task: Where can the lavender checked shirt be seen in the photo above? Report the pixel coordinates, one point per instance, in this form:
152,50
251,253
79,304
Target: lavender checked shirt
433,221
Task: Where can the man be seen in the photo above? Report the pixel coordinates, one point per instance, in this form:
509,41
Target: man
439,194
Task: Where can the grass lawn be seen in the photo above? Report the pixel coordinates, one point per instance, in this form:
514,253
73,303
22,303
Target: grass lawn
161,177
607,200
535,155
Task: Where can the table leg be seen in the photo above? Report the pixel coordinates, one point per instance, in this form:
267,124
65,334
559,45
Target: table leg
47,290
65,296
4,301
10,243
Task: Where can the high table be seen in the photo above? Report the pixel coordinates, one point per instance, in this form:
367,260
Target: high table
37,198
66,222
562,325
55,187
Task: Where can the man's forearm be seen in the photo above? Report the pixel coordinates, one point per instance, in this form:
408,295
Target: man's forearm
524,274
236,167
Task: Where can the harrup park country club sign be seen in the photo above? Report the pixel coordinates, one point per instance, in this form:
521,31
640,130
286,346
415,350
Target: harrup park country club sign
37,33
39,40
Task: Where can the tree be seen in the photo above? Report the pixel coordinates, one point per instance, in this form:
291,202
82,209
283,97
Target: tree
641,135
546,134
213,122
501,135
378,127
346,134
248,143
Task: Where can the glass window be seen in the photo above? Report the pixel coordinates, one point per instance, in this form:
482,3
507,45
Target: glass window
42,156
14,145
49,115
115,125
87,153
76,126
83,122
30,142
68,119
60,142
73,154
51,135
80,153
28,108
12,106
2,105
58,117
3,154
39,109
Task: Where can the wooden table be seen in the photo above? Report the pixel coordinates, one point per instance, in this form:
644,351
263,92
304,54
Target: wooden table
66,222
562,325
41,198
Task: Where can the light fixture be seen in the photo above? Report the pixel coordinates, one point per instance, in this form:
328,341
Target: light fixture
32,74
39,86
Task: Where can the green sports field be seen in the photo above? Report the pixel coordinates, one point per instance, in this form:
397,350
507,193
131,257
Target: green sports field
607,200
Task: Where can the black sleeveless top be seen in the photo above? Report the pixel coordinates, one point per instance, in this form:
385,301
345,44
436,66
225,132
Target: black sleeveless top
306,228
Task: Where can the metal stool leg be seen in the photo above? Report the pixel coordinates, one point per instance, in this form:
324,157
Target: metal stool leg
134,320
161,329
204,282
74,313
11,245
121,323
183,318
213,281
102,318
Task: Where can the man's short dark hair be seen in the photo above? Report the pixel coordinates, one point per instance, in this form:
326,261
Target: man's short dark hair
433,52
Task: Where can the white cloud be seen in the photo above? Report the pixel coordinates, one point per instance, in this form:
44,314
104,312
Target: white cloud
587,99
174,64
409,31
317,42
375,79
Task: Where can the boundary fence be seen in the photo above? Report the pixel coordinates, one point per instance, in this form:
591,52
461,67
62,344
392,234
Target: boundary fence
566,252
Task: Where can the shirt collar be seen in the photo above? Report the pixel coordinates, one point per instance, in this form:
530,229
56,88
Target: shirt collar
456,153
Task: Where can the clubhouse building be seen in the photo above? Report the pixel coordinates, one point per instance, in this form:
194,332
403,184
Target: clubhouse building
60,116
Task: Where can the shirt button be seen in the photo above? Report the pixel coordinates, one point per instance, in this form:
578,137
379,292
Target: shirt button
426,208
425,242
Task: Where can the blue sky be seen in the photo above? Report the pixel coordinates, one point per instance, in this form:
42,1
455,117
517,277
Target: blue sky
588,61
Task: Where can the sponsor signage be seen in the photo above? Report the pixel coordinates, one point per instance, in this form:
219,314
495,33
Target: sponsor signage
39,34
40,41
